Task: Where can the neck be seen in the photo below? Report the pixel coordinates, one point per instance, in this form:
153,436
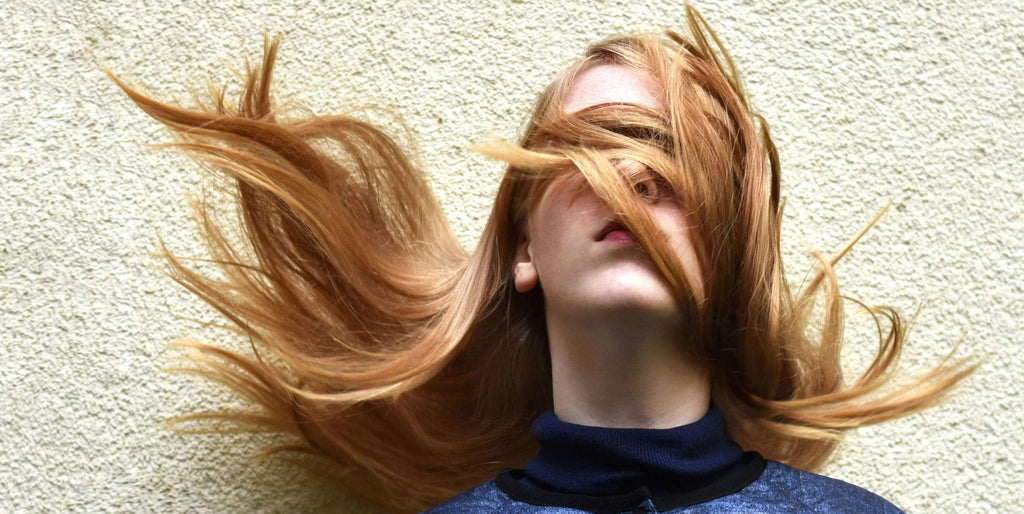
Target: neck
624,371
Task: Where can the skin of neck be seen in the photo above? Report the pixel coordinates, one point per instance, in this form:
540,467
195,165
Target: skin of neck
624,370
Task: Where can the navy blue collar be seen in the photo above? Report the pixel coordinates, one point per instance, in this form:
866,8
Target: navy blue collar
604,469
592,460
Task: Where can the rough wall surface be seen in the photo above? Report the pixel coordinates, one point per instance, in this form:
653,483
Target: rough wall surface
918,103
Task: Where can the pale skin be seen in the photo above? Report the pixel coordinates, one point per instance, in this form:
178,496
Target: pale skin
613,324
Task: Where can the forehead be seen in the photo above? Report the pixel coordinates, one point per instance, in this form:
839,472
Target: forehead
612,83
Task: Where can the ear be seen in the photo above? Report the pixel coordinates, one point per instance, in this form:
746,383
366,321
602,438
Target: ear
524,271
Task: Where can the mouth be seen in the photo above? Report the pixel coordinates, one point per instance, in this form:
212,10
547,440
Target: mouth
615,231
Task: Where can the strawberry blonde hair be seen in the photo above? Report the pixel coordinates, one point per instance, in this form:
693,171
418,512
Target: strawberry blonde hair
415,369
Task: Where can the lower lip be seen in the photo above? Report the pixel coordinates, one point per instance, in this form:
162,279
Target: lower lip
619,236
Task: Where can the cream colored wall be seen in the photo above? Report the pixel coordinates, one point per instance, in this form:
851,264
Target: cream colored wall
917,104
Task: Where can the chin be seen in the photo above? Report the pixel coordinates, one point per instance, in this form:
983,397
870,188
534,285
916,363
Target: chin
634,295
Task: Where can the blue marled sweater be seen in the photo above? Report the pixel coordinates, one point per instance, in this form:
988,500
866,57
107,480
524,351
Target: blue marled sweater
692,468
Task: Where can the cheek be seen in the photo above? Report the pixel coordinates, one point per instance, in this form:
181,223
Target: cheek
692,269
557,236
684,241
549,244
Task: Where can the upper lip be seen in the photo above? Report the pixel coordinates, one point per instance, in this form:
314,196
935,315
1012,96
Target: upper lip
609,227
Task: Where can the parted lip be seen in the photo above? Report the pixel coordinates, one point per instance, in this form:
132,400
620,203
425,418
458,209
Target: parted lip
611,226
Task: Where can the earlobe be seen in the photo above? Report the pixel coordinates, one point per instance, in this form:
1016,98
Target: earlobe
525,273
525,277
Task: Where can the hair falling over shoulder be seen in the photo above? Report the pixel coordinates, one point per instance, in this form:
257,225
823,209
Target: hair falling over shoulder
414,367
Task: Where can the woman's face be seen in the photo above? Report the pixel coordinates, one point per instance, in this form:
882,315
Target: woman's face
581,267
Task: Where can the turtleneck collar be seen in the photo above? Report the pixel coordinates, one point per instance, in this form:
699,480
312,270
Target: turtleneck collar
583,459
589,467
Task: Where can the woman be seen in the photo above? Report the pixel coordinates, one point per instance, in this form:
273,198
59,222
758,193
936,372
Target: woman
622,339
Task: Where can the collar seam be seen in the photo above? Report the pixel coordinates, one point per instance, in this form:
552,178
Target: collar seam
748,469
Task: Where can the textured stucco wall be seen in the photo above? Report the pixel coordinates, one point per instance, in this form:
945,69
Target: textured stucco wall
915,102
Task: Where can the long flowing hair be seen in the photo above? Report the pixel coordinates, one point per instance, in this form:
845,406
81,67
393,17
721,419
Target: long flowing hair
415,369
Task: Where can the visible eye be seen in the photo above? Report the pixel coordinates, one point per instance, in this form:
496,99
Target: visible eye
647,189
651,186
